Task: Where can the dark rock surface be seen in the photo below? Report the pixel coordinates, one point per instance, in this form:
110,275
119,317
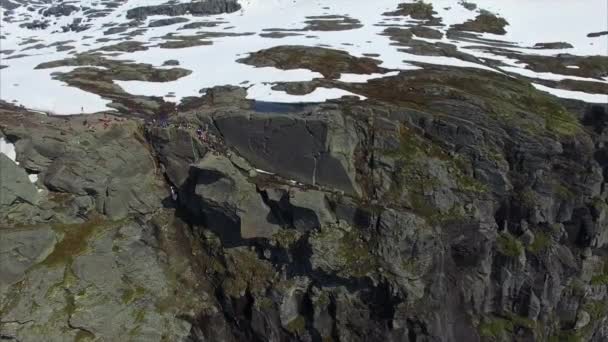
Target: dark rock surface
167,22
60,10
484,22
205,7
597,34
329,62
553,45
452,205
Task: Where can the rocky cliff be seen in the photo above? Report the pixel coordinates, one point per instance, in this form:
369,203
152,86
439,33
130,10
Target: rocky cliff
451,205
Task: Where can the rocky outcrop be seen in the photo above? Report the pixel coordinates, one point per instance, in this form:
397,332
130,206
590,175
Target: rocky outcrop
310,150
60,10
453,204
484,22
103,160
206,7
167,22
553,45
15,185
331,63
218,193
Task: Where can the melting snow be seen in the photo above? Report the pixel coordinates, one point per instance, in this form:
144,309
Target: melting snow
8,149
530,22
575,95
359,78
263,92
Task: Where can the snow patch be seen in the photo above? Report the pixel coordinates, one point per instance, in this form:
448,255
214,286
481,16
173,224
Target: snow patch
8,150
264,92
574,95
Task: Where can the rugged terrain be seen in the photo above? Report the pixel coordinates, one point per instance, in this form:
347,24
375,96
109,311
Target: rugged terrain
427,186
454,204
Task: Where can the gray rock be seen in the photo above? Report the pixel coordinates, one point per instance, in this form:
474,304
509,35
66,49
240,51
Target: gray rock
322,154
553,45
15,185
206,7
582,320
230,205
60,10
167,22
21,249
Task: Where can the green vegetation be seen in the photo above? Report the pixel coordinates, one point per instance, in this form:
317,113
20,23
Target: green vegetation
565,336
509,245
597,310
286,237
497,327
599,204
75,240
246,272
602,278
297,325
322,300
527,198
132,294
563,192
263,303
520,321
494,328
356,255
83,336
518,102
541,242
345,251
416,154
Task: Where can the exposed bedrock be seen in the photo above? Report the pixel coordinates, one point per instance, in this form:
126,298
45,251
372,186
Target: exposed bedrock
206,7
453,205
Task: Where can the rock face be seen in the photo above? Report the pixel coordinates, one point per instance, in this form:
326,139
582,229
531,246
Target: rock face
206,7
217,192
453,205
308,151
553,45
484,22
167,22
60,10
15,185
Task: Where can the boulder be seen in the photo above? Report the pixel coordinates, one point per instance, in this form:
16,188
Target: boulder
229,205
21,249
312,151
15,186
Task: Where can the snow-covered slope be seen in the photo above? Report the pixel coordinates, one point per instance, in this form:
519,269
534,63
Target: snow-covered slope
215,63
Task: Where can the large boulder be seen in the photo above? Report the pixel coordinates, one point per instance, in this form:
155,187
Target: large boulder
318,150
228,204
15,185
21,249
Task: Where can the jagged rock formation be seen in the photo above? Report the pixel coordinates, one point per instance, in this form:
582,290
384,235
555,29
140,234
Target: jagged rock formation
453,205
206,7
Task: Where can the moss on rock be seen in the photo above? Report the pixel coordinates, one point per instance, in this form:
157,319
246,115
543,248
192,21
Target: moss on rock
509,245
